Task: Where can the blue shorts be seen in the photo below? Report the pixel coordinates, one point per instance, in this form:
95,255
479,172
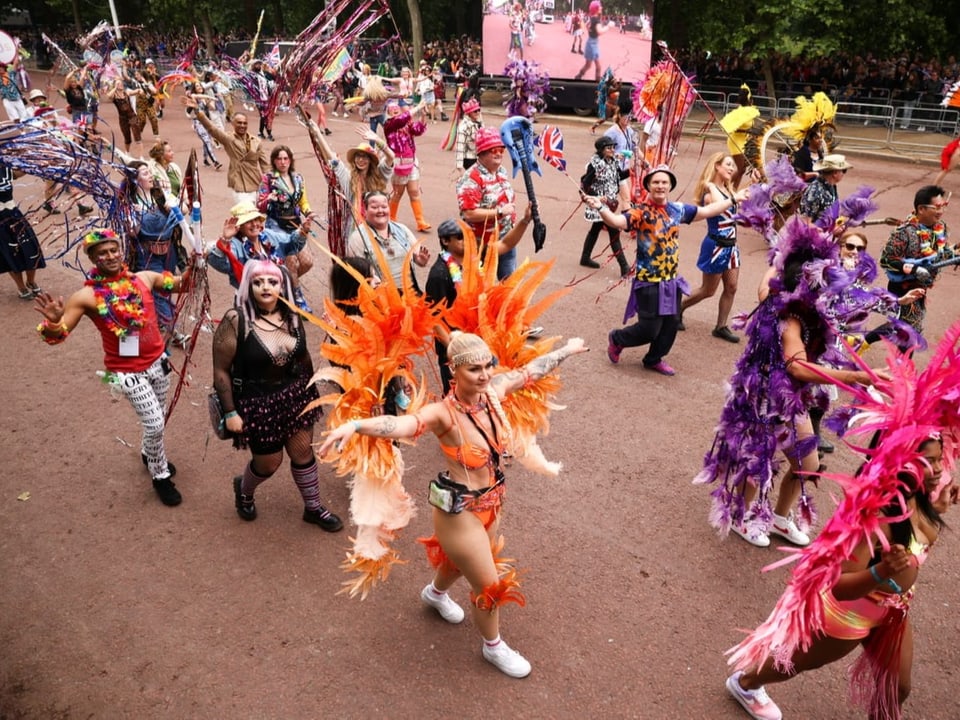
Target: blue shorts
591,51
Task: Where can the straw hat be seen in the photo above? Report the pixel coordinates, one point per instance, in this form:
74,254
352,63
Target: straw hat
362,148
246,211
832,162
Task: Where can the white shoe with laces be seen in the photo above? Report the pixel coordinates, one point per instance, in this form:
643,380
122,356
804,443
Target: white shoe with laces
786,528
755,537
443,604
506,660
756,702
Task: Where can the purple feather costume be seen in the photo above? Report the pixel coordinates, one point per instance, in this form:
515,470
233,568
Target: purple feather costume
763,400
758,418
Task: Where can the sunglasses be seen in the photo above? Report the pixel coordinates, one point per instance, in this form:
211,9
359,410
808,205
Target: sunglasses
853,247
941,206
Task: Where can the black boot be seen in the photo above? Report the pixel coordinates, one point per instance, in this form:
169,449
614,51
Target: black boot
245,507
588,244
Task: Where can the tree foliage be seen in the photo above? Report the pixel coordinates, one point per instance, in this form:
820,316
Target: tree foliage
809,28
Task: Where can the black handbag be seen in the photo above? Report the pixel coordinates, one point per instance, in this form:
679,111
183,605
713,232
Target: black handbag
216,416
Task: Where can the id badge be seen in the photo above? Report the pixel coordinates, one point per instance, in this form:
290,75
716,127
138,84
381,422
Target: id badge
130,345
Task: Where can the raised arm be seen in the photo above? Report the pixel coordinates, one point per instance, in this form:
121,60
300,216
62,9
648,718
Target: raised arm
718,207
430,417
60,319
508,382
316,136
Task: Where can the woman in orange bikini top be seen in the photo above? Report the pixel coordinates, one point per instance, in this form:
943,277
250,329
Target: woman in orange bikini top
474,433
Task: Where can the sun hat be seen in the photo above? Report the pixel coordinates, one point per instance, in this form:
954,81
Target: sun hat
246,211
471,105
36,93
362,148
488,138
832,162
660,169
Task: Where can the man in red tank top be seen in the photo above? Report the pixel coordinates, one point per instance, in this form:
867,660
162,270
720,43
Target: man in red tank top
120,304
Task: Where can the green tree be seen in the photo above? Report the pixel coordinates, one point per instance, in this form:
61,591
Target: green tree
760,30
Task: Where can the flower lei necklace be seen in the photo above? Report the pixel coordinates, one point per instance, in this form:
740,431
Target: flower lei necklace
453,267
932,240
118,300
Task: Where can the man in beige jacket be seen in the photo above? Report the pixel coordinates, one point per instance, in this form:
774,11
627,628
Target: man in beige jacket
248,161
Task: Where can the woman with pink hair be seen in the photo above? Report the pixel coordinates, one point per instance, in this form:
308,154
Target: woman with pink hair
400,130
595,28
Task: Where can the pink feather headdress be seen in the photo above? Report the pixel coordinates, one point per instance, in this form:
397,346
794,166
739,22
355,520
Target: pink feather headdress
906,410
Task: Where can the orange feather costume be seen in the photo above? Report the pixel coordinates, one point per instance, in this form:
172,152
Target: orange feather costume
378,344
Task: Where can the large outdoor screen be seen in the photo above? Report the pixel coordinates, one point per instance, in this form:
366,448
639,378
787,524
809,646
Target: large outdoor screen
556,34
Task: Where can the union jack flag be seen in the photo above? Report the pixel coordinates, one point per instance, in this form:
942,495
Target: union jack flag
550,147
272,59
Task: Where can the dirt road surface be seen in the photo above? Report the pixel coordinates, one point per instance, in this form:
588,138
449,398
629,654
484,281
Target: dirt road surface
113,606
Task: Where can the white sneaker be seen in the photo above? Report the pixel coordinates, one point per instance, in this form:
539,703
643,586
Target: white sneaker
786,528
754,537
756,702
443,604
506,660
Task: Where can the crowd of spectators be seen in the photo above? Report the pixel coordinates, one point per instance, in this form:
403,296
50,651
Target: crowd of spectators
908,79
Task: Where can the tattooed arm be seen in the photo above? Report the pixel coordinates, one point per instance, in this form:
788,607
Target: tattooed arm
508,382
430,417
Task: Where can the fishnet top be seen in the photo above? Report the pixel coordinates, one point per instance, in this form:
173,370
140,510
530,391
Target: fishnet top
268,356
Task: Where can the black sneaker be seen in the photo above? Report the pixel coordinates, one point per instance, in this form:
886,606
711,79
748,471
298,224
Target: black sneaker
724,333
167,491
84,209
322,517
245,507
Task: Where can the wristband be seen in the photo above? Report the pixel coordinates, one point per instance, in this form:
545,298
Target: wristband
356,426
889,582
52,334
231,414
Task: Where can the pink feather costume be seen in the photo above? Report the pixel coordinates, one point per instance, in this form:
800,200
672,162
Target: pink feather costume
908,409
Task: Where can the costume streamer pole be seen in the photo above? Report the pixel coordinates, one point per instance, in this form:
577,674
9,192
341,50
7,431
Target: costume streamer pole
256,37
193,303
714,120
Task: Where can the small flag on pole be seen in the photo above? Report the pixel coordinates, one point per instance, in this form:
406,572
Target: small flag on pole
550,147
